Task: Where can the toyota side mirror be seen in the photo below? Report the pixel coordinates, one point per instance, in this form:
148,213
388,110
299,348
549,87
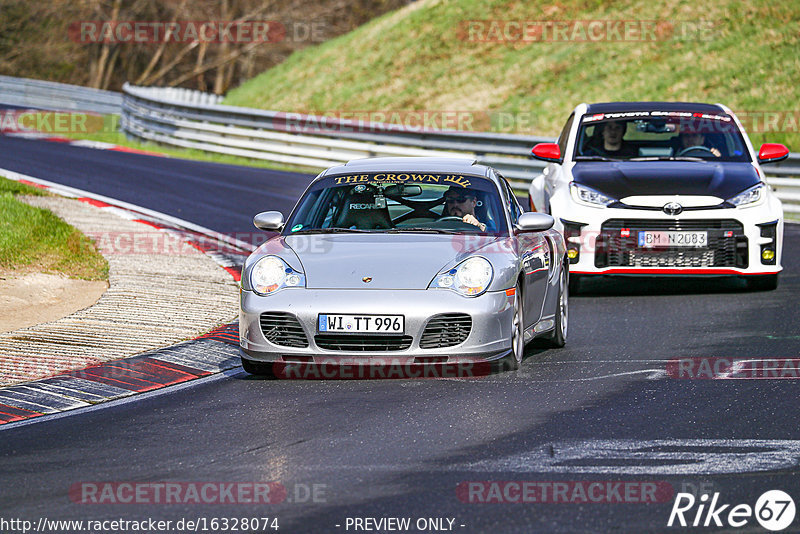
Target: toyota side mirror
772,152
547,152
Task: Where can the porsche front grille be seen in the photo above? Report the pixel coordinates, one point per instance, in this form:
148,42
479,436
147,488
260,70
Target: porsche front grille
446,330
617,244
362,342
283,329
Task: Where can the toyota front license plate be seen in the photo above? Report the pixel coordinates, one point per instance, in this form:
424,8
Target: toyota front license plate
649,239
362,324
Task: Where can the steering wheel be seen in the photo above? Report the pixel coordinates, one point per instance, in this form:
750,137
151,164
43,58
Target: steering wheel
693,148
450,218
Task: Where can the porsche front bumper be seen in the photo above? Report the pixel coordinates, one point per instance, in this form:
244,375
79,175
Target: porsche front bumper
488,338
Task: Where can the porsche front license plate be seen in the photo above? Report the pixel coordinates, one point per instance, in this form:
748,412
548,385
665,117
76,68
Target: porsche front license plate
649,239
362,324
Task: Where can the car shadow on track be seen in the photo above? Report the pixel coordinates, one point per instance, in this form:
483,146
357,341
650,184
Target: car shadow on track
647,286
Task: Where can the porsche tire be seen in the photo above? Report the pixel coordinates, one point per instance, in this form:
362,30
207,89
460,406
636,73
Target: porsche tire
517,332
558,337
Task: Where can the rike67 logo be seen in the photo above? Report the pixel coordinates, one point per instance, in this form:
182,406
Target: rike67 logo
774,510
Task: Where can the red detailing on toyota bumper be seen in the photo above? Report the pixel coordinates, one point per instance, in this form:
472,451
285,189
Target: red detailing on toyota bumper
652,272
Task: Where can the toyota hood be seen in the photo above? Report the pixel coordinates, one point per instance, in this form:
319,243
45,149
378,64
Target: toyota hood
389,261
620,179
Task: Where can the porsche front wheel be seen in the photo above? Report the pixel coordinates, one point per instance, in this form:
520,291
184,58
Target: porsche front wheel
517,332
558,337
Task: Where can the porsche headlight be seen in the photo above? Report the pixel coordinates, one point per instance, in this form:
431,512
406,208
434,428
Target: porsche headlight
748,196
587,195
271,273
470,278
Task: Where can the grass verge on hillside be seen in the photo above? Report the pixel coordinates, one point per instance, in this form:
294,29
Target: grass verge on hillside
35,239
423,57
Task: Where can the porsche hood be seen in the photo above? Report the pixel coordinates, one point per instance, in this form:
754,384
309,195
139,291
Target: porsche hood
380,261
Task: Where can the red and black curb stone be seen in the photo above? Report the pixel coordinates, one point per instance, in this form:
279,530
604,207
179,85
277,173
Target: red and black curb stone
210,353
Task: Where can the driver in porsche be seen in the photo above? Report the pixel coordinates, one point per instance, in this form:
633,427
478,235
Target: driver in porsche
461,202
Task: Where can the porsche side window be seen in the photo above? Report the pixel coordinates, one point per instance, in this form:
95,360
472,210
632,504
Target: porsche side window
514,208
334,201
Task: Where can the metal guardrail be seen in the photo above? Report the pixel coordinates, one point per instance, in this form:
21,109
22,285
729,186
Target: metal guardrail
308,140
186,119
192,119
25,92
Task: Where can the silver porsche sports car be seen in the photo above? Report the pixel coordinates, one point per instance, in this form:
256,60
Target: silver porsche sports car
425,260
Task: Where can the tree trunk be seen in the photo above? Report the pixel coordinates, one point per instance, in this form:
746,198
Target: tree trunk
105,51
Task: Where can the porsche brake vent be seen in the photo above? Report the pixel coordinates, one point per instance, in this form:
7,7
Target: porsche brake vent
446,330
283,329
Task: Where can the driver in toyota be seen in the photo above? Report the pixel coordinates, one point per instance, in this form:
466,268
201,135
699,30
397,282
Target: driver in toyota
696,139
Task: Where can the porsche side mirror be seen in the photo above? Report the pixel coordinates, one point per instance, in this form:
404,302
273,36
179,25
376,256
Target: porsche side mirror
547,152
271,221
772,152
535,222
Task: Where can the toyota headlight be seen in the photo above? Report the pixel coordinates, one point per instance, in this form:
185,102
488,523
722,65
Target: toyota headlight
749,196
271,273
471,277
587,195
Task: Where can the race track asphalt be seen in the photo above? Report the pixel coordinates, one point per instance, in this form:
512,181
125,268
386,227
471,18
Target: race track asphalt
603,409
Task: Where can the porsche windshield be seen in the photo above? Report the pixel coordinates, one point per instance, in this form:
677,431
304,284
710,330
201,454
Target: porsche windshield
658,136
399,202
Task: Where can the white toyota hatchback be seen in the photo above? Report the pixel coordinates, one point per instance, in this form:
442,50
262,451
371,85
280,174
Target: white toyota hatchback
661,188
